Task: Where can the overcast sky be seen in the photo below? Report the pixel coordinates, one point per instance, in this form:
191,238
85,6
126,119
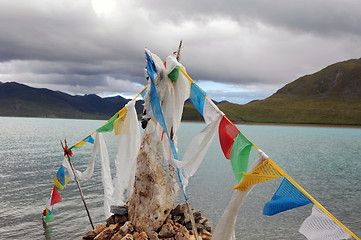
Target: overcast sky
236,50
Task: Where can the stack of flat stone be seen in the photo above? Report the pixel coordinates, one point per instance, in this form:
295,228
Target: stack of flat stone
177,226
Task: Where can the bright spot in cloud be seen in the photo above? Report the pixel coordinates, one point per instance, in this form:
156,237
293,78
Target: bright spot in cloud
103,7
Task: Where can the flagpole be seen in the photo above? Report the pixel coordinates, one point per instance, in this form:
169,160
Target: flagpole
193,222
77,182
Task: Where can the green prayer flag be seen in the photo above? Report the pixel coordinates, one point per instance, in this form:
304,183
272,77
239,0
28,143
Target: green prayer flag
174,74
239,155
108,127
49,217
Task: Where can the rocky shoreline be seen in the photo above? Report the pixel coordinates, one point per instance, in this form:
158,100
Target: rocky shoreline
177,226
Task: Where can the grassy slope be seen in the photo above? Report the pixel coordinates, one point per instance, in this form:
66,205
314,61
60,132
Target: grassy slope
330,96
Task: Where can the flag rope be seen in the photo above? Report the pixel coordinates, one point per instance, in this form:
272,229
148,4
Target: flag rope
283,173
287,176
110,118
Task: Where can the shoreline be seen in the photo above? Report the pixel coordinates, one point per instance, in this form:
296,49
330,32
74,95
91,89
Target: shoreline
290,124
235,122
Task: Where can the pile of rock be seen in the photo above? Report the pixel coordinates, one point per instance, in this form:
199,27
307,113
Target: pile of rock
176,227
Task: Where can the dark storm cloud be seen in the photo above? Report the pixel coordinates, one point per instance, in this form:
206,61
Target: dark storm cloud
71,46
331,17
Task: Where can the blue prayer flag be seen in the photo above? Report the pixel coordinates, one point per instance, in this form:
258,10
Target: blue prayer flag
286,197
89,139
197,95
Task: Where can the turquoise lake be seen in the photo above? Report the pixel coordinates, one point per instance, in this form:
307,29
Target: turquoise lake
326,162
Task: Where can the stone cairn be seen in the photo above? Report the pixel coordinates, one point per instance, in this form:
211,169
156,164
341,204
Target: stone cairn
177,226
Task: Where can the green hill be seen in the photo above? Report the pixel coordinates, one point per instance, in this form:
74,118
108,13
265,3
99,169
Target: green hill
330,96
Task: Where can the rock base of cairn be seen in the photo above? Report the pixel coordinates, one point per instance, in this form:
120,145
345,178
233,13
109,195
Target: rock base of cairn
177,226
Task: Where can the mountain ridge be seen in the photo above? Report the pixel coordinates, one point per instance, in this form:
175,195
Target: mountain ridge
330,96
18,100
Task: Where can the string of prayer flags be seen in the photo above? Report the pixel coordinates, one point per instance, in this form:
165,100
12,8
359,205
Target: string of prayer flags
109,126
263,172
286,197
88,139
320,226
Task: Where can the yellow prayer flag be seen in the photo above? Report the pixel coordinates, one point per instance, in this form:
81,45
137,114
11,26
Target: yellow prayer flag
118,123
79,144
263,172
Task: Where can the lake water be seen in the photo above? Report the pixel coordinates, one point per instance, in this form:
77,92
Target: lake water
324,161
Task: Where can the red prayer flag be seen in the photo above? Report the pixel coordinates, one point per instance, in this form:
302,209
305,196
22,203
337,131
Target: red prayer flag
55,196
227,133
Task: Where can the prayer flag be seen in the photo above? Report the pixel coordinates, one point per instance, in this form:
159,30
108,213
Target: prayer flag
286,197
118,123
89,139
60,180
108,126
55,196
197,95
240,155
174,74
154,101
263,172
320,226
227,134
48,215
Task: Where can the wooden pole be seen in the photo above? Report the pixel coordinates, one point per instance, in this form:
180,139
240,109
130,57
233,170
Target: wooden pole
179,49
190,212
77,182
191,216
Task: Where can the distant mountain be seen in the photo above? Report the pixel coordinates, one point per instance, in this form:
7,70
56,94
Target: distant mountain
21,100
330,96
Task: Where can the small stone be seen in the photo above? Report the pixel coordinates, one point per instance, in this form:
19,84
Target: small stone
176,218
170,221
119,210
114,227
117,236
205,235
197,214
202,220
110,220
166,231
180,209
135,235
208,226
90,235
142,236
182,234
127,228
120,219
106,234
99,228
128,237
153,235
